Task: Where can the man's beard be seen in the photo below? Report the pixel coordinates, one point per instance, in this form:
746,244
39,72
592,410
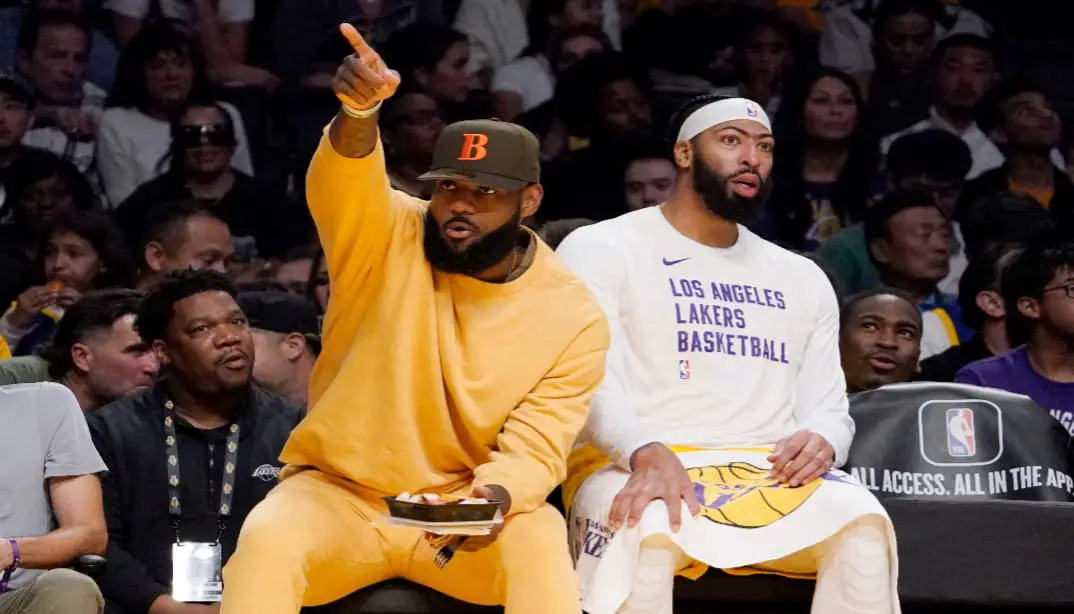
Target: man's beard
713,189
481,255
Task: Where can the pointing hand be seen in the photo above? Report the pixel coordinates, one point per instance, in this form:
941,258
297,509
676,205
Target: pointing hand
363,80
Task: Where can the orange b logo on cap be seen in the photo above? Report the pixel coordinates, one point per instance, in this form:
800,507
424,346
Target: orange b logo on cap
473,147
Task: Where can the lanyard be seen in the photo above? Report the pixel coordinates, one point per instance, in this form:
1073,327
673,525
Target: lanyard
227,484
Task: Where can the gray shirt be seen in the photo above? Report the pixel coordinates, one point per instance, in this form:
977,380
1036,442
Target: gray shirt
24,370
43,435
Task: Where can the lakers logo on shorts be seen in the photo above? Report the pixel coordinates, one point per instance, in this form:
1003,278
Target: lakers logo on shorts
741,494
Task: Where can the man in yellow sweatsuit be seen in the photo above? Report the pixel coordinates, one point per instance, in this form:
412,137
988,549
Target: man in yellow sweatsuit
460,356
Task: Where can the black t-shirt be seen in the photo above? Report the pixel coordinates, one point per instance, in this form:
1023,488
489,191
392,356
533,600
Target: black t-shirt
943,366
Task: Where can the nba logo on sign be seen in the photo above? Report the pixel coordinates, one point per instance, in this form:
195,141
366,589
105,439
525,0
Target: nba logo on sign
961,438
684,369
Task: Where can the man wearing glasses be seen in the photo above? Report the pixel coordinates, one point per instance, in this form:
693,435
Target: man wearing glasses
1039,290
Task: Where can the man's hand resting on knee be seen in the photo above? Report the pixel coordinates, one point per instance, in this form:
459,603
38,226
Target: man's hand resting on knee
801,458
657,474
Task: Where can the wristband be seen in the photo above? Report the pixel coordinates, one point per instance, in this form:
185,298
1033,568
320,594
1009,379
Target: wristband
14,565
350,111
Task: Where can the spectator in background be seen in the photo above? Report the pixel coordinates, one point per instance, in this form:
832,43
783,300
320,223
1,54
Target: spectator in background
410,122
846,42
982,309
765,51
16,117
159,72
931,161
1004,217
649,173
606,99
904,32
84,251
569,47
529,81
826,167
221,28
498,31
101,65
963,70
53,51
435,60
287,341
183,235
203,143
879,339
1027,130
45,189
909,242
96,353
294,272
1039,286
51,512
204,424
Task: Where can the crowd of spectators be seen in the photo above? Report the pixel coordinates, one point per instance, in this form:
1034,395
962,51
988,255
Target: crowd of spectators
155,245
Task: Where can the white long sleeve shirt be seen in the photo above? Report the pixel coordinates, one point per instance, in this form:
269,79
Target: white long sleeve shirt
710,347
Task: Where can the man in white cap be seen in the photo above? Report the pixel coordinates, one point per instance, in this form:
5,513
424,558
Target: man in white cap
714,438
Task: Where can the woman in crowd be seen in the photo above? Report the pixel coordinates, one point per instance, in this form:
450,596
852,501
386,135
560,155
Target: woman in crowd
530,81
159,72
826,165
84,251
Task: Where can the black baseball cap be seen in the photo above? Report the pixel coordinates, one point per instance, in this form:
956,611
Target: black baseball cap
13,87
488,152
281,312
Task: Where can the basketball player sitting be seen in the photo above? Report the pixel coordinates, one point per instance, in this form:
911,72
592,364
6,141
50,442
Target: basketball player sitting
713,439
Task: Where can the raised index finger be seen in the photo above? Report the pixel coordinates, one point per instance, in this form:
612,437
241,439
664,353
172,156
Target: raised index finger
356,41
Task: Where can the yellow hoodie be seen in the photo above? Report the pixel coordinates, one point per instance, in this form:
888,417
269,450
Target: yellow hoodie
428,381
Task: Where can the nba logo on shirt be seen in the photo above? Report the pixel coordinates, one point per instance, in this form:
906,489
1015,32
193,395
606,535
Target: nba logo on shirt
961,437
684,369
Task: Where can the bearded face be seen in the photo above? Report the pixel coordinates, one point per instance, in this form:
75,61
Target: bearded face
473,257
737,196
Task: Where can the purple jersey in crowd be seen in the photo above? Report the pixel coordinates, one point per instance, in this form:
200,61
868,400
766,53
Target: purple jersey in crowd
1013,373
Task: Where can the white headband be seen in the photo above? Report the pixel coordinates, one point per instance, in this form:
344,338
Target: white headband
720,112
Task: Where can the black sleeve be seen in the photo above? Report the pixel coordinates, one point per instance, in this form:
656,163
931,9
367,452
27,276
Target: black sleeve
125,582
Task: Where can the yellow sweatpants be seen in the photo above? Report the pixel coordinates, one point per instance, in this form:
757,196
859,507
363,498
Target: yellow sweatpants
310,542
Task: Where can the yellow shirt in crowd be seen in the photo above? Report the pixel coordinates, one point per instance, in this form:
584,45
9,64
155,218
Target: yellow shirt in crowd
430,381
